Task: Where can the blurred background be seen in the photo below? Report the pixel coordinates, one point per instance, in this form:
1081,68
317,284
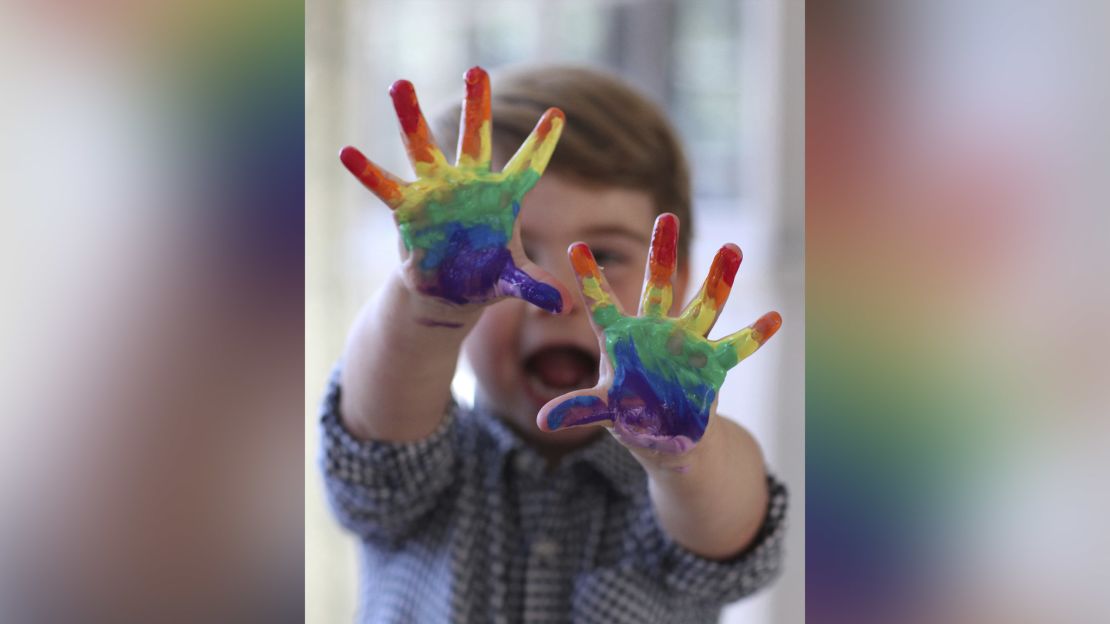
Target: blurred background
958,291
151,310
729,73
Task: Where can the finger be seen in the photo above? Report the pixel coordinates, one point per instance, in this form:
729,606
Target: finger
733,349
656,300
702,312
603,305
381,183
531,159
534,285
582,407
475,144
423,152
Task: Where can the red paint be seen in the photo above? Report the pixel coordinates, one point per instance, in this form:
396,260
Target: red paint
543,128
582,259
664,249
381,184
406,105
721,274
476,111
766,326
418,139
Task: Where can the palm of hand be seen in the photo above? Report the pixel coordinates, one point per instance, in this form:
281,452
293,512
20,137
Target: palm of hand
664,374
457,222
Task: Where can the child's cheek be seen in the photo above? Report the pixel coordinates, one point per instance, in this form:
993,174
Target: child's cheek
492,348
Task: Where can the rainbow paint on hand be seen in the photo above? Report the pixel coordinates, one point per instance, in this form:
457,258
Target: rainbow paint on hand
457,222
666,373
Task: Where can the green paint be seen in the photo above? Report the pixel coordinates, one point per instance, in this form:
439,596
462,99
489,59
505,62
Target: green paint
727,355
469,198
606,315
668,349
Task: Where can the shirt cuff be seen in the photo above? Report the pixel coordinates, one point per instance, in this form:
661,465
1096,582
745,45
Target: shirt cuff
378,487
725,581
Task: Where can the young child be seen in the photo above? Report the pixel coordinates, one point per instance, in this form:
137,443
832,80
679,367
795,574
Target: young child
524,509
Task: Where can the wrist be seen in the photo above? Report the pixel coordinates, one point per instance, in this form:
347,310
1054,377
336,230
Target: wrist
435,313
660,464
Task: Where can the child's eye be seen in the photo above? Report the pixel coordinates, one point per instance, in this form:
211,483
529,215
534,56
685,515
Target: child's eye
607,258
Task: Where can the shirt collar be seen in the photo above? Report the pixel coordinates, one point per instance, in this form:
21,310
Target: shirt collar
604,455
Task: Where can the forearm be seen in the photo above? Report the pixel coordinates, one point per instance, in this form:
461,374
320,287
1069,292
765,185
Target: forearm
398,364
711,500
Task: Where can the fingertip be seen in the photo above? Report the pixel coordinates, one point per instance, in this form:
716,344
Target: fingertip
730,257
766,326
352,159
581,258
668,221
552,119
401,88
475,75
545,296
541,421
404,102
664,244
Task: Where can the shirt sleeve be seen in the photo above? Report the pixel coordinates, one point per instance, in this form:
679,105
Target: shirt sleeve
719,582
382,490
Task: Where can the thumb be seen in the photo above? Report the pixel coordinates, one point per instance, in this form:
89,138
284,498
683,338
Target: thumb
534,285
581,407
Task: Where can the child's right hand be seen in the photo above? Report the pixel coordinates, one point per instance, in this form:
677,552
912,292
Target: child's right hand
459,223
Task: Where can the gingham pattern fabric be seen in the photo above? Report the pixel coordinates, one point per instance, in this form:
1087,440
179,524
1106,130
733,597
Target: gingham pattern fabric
466,526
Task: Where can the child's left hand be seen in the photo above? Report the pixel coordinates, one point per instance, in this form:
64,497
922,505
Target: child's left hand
660,375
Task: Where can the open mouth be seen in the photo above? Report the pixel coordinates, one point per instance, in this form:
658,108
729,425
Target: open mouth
557,370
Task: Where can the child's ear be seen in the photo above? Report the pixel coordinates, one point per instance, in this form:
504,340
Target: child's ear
681,280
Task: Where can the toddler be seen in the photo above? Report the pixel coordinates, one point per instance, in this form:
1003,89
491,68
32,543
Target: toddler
593,480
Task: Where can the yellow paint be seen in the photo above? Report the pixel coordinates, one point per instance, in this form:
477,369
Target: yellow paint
485,145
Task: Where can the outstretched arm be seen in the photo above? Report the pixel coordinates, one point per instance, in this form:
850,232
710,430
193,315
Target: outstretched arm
461,251
657,392
714,501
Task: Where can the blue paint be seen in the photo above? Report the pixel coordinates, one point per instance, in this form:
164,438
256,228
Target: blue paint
579,410
474,263
653,407
484,236
655,403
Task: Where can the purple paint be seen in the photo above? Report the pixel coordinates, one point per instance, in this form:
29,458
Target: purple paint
647,410
465,274
433,323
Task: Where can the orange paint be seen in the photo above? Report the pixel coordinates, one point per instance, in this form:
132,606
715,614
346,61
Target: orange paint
544,127
476,111
766,326
373,178
582,259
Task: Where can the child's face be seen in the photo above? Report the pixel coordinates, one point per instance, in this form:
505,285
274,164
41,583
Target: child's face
522,356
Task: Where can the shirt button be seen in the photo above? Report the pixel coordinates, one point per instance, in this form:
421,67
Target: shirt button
521,462
545,549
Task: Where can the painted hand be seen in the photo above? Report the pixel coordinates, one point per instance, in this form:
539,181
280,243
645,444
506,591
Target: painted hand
660,375
459,223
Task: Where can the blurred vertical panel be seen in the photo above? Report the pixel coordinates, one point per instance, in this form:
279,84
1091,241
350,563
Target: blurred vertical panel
151,273
957,298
